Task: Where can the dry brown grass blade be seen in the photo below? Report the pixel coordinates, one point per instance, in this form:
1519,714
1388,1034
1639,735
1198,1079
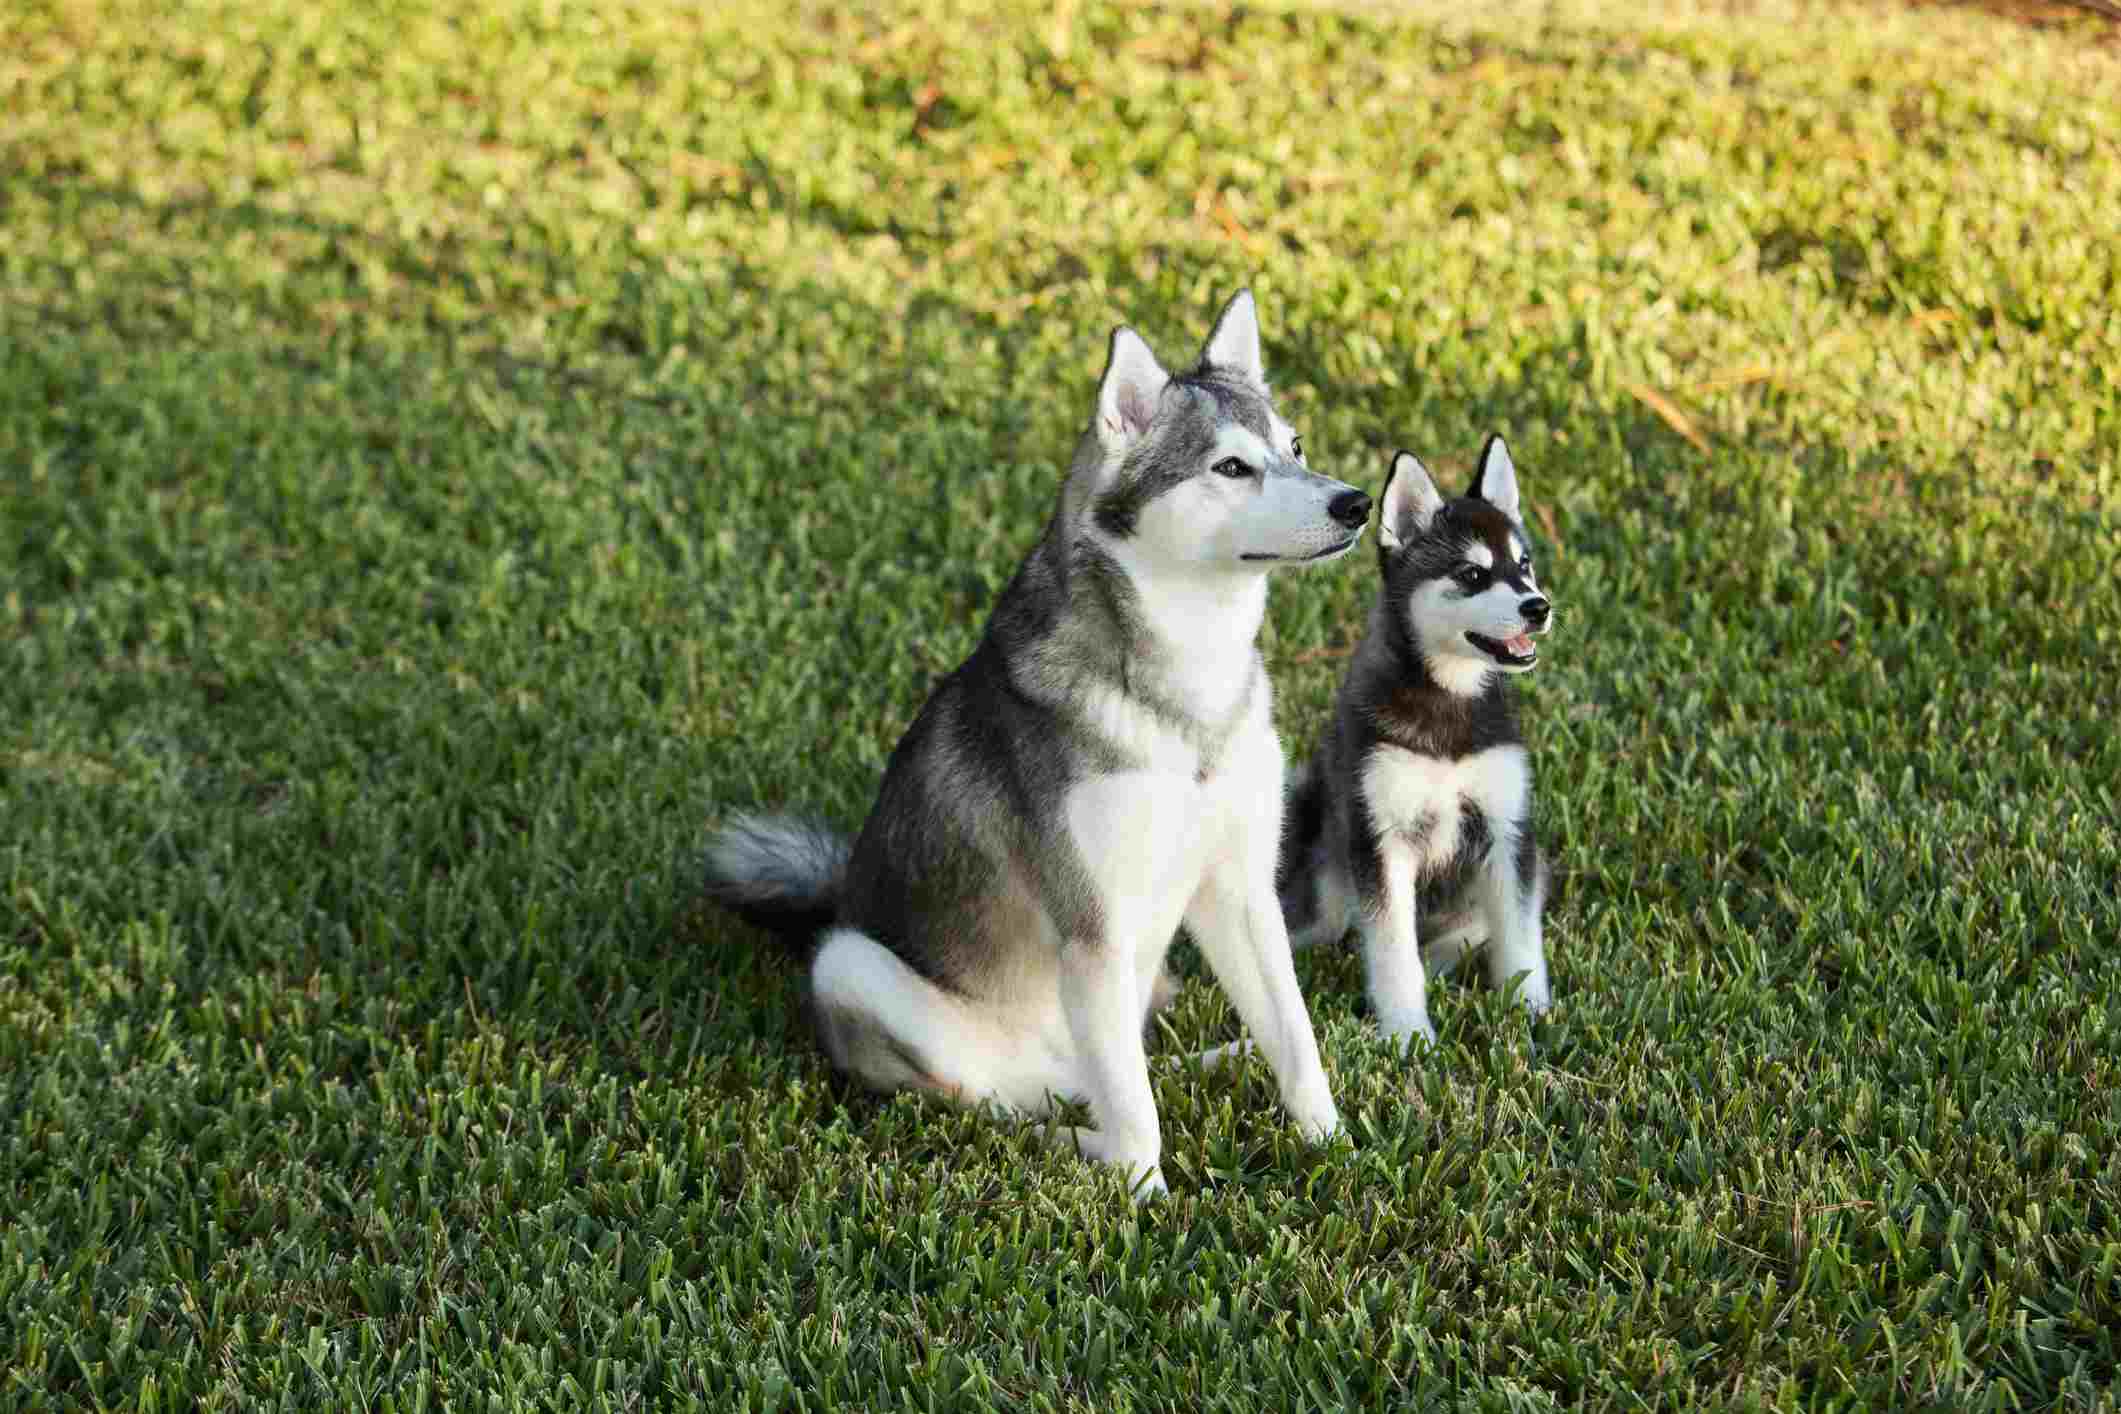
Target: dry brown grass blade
1668,410
1545,517
1736,378
1318,655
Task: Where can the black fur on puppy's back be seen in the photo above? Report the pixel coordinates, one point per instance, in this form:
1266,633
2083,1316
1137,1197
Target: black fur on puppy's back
1303,822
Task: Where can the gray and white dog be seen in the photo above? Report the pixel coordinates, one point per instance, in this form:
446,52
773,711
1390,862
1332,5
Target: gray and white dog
1413,822
1102,769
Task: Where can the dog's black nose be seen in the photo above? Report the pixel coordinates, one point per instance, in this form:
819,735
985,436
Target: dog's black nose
1351,509
1535,610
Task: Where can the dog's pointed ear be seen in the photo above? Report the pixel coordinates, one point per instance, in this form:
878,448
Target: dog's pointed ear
1496,481
1234,344
1411,501
1126,398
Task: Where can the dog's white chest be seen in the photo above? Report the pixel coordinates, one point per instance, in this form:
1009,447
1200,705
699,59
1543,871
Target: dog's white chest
1425,800
1146,834
1138,835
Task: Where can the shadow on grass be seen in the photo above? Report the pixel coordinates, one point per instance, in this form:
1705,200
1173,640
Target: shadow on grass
523,851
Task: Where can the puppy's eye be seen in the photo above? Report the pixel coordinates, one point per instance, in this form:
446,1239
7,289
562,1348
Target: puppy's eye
1296,448
1524,564
1471,576
1233,468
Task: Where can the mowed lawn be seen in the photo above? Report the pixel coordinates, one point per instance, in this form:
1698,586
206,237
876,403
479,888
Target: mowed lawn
450,455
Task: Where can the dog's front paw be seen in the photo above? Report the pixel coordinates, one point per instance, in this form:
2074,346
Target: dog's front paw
1141,1172
1308,1099
1320,1125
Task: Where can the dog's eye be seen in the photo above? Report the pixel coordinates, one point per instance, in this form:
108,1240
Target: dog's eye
1524,564
1296,448
1233,468
1471,576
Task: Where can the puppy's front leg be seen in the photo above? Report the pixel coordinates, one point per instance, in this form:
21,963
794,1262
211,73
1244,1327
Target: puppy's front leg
1512,895
1399,986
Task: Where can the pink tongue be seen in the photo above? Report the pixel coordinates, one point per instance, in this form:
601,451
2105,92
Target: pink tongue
1522,643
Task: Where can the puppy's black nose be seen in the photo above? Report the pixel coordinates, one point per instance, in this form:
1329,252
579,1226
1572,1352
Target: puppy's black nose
1535,610
1350,508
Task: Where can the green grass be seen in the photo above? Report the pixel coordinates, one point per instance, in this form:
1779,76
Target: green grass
450,455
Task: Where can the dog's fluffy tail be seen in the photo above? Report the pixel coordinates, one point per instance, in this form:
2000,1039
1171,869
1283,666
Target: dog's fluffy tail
780,872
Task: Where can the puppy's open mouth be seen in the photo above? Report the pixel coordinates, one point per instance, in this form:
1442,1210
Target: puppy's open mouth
1517,651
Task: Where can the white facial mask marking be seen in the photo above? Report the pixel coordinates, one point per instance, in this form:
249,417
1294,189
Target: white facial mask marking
1439,618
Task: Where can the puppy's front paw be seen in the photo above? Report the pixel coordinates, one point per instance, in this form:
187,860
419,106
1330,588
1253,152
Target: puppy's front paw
1533,994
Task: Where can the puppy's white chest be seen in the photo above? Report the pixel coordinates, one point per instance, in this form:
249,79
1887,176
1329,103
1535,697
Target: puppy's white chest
1425,801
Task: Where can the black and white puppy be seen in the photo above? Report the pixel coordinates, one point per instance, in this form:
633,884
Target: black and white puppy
1413,822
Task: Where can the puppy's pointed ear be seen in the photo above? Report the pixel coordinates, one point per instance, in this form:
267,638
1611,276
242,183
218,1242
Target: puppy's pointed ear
1234,345
1496,481
1411,501
1126,398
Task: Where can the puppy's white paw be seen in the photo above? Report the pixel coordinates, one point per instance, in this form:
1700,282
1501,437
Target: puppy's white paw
1533,994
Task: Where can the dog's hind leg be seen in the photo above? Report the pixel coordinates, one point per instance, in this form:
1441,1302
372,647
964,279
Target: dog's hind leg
892,1028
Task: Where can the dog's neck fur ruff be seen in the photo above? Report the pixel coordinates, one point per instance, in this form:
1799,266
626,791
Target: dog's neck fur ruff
1089,632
